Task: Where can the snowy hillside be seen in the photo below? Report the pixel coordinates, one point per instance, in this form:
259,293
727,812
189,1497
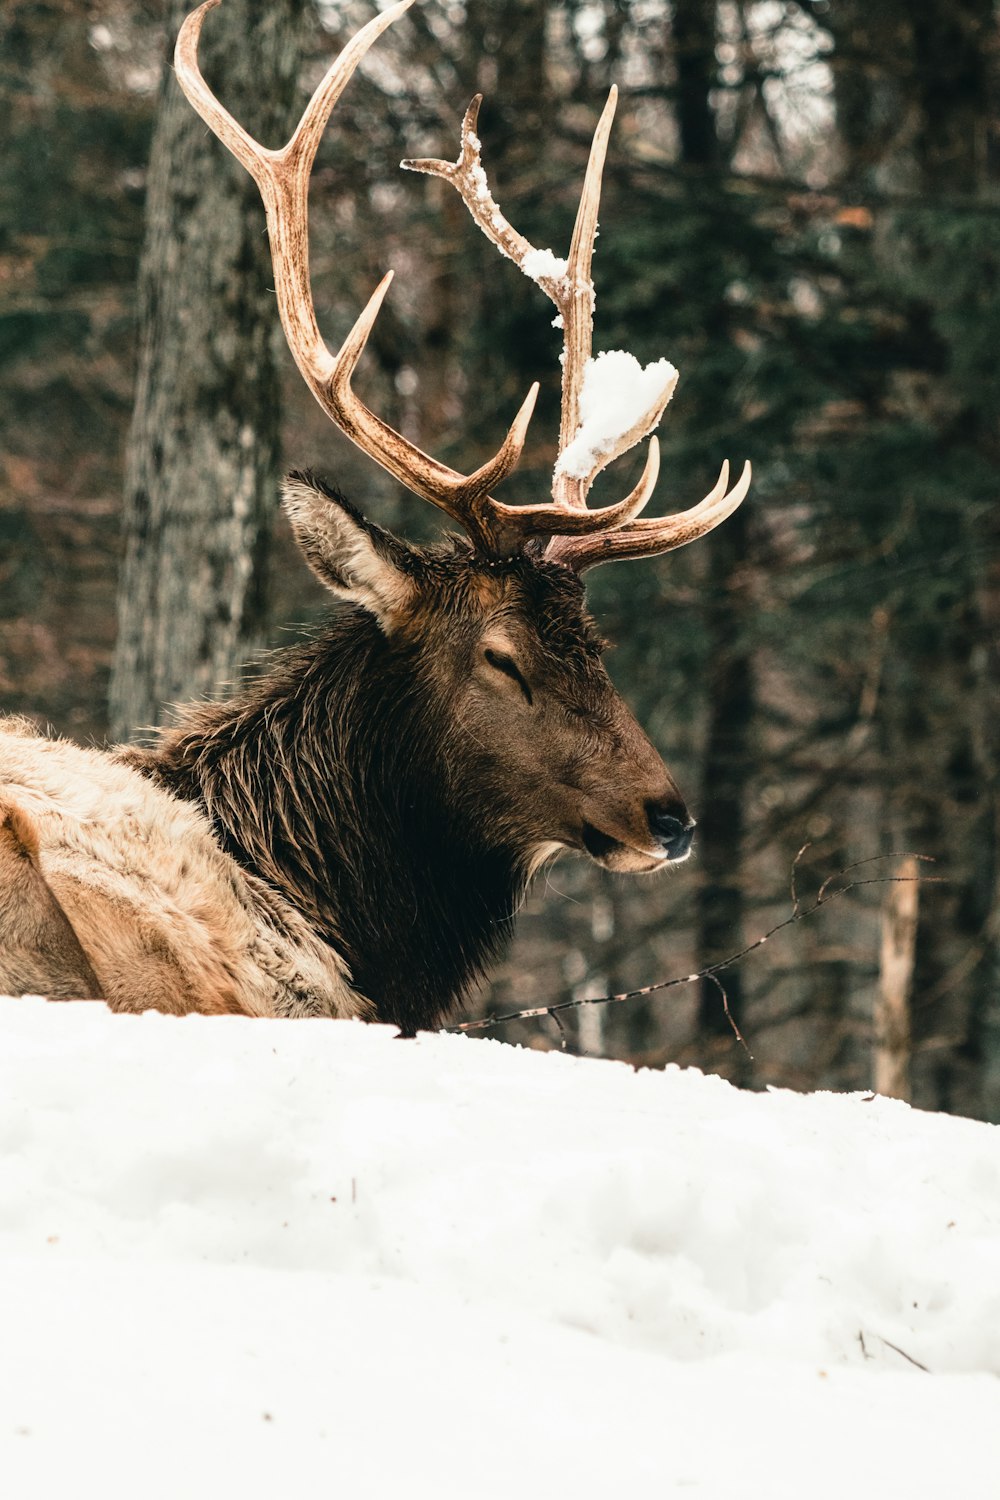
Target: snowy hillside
293,1259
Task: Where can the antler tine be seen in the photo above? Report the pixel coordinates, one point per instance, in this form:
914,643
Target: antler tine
465,497
578,311
237,140
569,286
570,521
656,534
283,179
578,537
566,283
466,175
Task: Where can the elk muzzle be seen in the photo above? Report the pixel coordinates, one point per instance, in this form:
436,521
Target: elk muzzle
673,829
640,838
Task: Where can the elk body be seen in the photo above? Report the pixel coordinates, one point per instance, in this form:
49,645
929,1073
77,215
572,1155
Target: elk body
353,833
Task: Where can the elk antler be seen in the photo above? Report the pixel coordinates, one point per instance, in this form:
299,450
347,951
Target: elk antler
578,536
586,445
283,179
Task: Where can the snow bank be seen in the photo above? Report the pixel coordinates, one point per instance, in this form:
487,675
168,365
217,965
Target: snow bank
270,1258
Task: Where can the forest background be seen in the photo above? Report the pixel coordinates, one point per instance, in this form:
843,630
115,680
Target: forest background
801,210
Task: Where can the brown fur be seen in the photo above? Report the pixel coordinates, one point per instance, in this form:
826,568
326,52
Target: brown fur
373,807
41,950
100,867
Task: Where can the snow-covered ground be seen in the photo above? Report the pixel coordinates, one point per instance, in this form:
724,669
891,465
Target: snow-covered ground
296,1259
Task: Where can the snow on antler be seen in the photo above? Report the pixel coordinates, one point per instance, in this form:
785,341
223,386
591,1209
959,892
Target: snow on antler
617,397
609,403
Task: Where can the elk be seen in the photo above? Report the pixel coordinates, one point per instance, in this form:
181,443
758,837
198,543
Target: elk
352,833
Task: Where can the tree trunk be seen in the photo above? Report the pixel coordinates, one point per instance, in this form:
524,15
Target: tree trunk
892,1003
203,452
694,27
726,767
726,762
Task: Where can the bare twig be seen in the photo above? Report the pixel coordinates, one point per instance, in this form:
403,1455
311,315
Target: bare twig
895,1349
712,971
795,871
737,1033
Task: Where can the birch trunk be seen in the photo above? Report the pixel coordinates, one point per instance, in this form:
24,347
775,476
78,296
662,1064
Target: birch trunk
892,1006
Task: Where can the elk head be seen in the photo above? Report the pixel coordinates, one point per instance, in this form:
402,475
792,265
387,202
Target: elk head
495,627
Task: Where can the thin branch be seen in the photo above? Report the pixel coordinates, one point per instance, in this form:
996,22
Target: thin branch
895,1349
795,870
712,971
737,1033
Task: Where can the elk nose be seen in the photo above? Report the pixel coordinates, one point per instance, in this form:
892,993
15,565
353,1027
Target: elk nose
672,833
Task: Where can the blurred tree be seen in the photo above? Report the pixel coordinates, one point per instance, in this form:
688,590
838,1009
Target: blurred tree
935,262
726,761
203,452
75,113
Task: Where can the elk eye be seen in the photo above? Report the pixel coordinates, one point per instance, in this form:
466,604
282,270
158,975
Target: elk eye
508,666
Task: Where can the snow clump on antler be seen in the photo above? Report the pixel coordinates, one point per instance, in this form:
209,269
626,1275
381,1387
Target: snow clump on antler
617,391
543,264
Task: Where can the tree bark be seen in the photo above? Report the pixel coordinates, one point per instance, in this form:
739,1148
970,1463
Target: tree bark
203,451
892,1004
726,769
694,27
726,761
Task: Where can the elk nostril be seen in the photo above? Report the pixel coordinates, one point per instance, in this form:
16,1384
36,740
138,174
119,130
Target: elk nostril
672,833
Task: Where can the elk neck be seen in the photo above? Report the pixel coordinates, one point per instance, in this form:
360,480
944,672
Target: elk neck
330,779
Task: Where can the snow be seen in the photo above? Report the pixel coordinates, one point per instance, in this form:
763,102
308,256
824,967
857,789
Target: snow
617,393
266,1258
480,183
543,264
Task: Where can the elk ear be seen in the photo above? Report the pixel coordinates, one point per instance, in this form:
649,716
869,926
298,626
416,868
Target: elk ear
349,555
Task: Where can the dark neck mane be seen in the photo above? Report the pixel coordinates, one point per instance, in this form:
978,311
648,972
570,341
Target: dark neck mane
329,780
